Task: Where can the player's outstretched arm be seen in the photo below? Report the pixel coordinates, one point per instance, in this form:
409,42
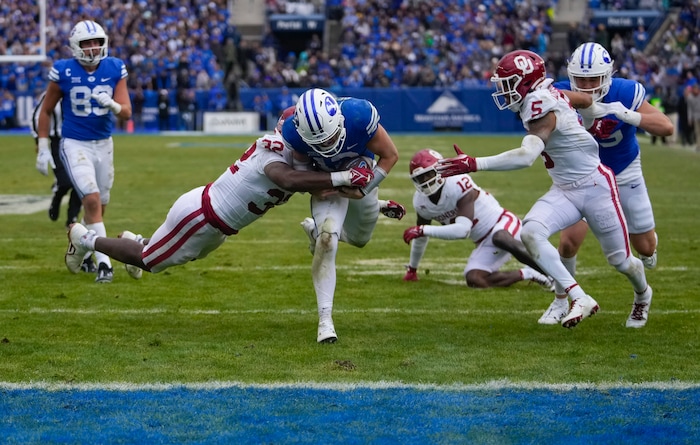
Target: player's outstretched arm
294,180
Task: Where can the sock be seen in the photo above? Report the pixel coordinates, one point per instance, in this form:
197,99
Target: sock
100,230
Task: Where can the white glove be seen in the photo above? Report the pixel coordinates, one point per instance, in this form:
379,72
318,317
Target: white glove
595,111
625,114
107,102
43,157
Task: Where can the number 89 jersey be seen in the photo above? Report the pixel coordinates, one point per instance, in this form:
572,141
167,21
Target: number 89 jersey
83,118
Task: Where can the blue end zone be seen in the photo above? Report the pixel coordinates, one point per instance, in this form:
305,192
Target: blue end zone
357,416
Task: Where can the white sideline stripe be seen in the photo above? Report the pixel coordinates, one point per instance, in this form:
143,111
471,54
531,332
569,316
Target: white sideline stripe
494,385
156,311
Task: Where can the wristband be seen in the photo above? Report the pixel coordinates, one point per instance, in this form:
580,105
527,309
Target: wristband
115,107
379,175
43,144
340,178
633,118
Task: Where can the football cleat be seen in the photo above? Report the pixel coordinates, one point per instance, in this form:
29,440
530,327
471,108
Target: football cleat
309,226
326,332
76,250
640,309
105,274
542,280
555,312
580,309
88,265
134,272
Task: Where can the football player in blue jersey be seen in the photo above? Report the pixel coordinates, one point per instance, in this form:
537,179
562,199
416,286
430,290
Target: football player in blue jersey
590,70
330,134
90,87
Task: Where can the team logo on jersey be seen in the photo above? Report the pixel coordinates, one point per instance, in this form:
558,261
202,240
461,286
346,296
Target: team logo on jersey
91,79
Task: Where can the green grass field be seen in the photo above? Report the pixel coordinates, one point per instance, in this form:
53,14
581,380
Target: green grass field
248,312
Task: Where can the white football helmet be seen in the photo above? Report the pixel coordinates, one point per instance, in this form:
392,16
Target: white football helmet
319,122
591,61
88,30
423,173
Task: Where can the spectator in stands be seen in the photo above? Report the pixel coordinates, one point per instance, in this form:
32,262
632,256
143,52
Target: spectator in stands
7,111
163,110
692,98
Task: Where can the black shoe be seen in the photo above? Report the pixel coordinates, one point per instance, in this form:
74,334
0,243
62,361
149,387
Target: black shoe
55,207
104,274
88,265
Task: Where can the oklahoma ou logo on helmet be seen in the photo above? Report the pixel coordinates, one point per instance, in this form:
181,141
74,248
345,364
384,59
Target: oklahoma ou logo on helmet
524,64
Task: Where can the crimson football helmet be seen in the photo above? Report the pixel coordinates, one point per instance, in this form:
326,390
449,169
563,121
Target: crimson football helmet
517,73
289,111
423,173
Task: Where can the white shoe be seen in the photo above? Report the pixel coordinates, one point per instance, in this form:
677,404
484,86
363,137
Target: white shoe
542,280
650,261
555,312
580,309
640,309
76,250
309,226
326,332
134,272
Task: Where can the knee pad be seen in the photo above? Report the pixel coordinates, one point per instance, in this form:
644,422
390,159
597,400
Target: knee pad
620,261
532,233
328,242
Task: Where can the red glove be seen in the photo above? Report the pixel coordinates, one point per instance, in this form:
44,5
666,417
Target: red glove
462,163
603,128
412,233
360,176
393,210
411,274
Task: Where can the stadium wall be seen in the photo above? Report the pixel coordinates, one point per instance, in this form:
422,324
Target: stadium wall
401,110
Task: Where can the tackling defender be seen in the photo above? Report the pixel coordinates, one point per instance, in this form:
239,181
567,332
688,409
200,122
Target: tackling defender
582,185
90,87
200,220
464,210
328,133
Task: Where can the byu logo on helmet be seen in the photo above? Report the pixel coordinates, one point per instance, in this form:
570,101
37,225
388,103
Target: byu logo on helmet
320,122
331,106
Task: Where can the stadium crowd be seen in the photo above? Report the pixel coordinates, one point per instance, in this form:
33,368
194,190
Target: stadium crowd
185,46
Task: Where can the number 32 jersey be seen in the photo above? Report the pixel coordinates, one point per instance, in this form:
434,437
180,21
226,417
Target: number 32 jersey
83,118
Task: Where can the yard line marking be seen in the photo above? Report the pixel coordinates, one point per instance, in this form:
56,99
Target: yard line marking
156,311
494,385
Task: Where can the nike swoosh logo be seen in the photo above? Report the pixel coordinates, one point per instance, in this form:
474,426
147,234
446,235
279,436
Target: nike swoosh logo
634,186
351,146
104,79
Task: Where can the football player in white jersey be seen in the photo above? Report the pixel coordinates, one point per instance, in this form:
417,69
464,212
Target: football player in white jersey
91,87
328,133
582,185
200,220
590,71
464,210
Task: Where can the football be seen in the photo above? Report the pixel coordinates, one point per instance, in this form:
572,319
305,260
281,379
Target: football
360,161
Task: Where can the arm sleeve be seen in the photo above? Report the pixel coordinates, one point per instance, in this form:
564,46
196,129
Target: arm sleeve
521,157
458,230
418,246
